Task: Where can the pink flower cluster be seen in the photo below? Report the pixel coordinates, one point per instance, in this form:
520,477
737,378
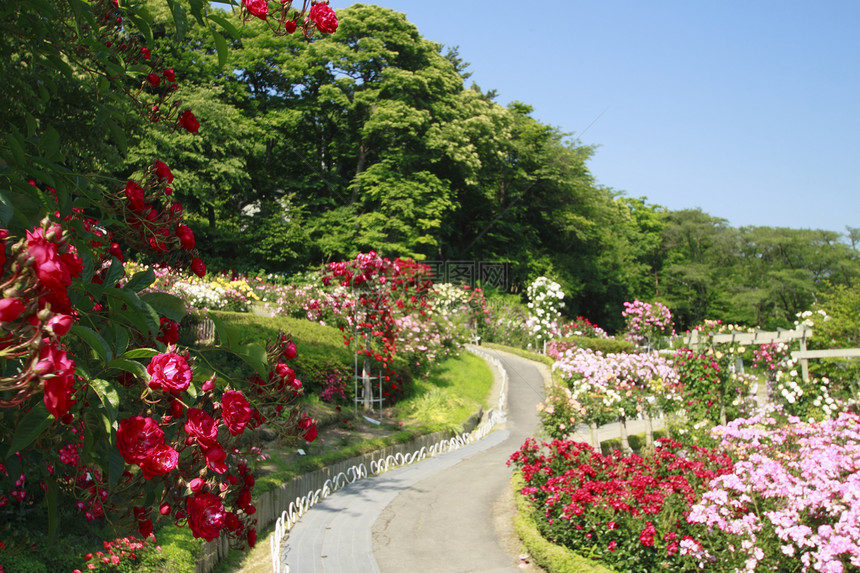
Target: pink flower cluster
793,499
647,321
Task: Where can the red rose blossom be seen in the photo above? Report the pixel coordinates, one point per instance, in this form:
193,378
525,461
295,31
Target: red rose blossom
186,236
161,460
290,26
137,437
58,372
153,79
169,333
290,351
308,427
198,267
134,194
163,171
189,122
202,427
324,18
10,309
259,8
50,268
169,372
59,324
170,75
206,515
215,458
236,411
116,251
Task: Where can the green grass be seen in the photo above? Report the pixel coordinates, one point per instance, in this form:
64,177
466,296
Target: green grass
452,392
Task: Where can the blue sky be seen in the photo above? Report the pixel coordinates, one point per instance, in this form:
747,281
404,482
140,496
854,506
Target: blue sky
748,110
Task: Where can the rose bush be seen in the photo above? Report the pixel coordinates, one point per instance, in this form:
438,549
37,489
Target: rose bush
102,415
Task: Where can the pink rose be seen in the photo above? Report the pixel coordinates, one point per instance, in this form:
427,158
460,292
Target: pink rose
206,515
169,372
236,411
324,18
137,438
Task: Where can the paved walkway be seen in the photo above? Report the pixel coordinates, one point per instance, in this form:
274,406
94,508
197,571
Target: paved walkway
435,516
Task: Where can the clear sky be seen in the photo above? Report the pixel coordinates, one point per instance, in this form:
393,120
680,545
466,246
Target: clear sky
749,110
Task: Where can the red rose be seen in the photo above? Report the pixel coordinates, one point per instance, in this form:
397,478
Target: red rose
206,515
189,122
137,437
324,18
58,372
176,210
134,194
170,372
170,75
169,333
144,51
258,8
290,26
236,411
161,460
116,251
290,351
285,372
186,236
10,309
59,324
153,79
203,427
215,457
163,171
50,269
252,537
308,426
198,267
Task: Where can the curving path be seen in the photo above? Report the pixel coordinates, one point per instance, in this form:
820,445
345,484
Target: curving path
436,516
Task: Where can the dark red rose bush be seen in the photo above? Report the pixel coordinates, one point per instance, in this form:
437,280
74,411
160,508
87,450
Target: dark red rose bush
626,511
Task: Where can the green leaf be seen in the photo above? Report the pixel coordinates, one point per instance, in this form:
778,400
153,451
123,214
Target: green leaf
180,18
228,335
109,397
141,315
165,304
36,421
140,280
221,47
94,340
139,353
50,142
116,465
117,134
197,9
7,211
254,356
130,366
226,24
114,273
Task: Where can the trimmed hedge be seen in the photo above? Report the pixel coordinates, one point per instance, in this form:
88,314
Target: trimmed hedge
604,345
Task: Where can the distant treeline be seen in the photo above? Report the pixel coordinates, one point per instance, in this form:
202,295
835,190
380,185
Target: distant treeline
311,151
